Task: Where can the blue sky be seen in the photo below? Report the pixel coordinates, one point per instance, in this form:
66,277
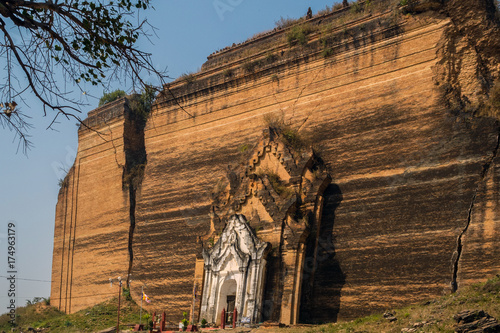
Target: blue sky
187,31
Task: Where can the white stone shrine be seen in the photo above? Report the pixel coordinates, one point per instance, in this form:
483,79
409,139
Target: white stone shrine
234,273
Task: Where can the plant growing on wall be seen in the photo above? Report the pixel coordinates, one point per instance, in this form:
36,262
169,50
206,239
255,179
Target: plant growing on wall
227,73
286,132
276,182
111,96
298,34
188,78
249,66
63,183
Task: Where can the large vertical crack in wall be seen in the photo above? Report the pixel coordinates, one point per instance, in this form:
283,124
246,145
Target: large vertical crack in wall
135,162
458,252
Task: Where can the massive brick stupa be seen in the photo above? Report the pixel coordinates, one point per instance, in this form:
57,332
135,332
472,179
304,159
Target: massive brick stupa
317,172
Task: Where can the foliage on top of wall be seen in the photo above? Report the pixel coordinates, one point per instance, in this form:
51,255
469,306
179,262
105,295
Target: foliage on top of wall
111,96
140,105
188,78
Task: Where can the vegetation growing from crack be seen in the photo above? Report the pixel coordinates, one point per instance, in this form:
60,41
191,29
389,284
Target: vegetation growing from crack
135,155
136,158
141,106
228,73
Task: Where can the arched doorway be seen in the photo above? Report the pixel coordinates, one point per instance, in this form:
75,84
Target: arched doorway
227,299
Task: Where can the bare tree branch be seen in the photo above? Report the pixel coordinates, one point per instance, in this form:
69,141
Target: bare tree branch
87,41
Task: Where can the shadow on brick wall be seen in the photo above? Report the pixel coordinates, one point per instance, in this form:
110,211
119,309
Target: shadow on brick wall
323,276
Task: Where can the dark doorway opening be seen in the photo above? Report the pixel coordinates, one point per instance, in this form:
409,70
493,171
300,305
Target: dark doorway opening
230,301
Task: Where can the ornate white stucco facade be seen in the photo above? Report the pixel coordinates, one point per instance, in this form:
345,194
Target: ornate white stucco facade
234,267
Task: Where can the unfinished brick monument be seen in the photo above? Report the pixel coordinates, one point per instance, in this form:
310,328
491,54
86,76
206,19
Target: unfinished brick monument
279,194
317,172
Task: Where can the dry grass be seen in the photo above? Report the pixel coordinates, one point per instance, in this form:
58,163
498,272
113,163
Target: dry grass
438,313
92,319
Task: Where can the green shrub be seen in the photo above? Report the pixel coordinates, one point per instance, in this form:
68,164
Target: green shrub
243,148
203,323
327,52
184,320
274,122
356,8
289,135
298,34
140,106
110,97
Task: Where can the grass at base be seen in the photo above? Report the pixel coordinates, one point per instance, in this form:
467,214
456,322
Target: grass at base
437,313
92,319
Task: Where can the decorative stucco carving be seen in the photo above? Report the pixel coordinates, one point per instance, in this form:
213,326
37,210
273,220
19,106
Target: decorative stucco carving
274,198
238,258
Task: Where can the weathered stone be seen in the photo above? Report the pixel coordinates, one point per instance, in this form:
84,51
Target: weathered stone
408,330
475,321
390,316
